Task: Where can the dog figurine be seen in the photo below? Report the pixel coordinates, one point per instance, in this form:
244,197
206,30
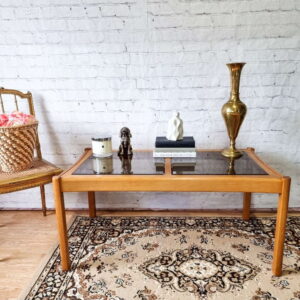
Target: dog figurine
125,148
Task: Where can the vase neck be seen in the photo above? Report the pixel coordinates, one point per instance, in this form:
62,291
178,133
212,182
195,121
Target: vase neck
235,74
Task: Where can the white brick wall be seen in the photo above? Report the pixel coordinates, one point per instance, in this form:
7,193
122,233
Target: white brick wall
102,64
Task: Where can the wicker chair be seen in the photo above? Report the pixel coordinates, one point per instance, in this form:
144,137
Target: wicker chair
41,172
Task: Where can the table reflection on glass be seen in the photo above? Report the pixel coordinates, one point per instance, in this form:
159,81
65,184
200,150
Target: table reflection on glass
141,163
214,163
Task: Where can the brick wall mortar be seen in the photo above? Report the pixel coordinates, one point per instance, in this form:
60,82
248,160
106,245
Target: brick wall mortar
95,65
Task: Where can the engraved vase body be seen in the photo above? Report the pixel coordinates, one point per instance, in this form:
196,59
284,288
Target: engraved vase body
234,111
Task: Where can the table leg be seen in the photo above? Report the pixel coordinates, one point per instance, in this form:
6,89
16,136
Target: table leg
92,204
280,226
61,223
246,206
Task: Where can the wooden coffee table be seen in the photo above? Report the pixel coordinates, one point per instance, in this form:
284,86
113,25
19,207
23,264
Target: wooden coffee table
209,172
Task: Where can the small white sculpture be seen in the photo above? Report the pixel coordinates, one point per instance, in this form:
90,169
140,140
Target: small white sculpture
175,128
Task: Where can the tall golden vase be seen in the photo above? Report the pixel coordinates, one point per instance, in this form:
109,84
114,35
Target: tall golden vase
234,111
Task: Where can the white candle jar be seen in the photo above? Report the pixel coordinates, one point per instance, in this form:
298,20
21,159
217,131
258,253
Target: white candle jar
102,146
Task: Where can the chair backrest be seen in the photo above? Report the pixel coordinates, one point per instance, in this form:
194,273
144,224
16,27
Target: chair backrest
17,94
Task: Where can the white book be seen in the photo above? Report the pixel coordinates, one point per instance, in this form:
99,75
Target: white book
174,154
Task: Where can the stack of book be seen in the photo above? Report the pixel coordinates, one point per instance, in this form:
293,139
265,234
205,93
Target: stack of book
182,148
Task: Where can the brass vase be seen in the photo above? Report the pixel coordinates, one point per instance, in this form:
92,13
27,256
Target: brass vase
234,111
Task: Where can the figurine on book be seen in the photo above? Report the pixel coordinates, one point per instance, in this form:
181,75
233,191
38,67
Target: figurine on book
175,144
175,128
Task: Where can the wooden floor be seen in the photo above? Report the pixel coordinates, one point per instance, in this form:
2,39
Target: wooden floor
27,238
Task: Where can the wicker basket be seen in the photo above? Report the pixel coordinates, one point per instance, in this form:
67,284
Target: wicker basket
17,145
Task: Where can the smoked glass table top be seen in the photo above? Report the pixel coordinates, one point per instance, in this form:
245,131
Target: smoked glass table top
141,163
214,163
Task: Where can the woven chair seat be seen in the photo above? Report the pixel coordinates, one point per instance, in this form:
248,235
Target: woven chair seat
40,170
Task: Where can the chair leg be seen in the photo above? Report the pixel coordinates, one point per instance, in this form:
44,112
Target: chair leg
246,206
43,198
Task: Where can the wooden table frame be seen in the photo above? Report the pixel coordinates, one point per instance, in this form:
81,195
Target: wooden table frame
274,182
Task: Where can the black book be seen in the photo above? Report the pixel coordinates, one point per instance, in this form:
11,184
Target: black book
186,142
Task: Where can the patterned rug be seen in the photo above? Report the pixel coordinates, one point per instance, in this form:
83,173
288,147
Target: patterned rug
162,258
